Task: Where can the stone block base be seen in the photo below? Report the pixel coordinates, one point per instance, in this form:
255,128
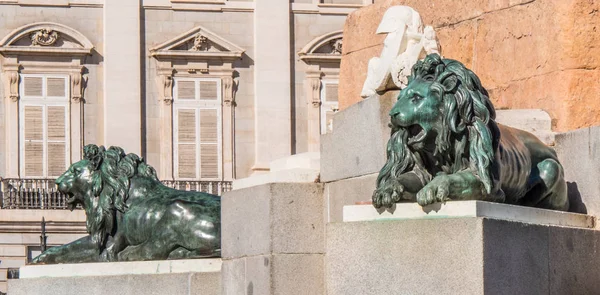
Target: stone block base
273,240
460,256
299,274
193,277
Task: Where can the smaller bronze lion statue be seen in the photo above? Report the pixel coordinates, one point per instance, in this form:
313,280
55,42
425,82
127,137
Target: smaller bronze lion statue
131,216
445,145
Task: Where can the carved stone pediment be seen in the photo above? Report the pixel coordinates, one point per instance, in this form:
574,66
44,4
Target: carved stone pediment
45,38
197,44
325,48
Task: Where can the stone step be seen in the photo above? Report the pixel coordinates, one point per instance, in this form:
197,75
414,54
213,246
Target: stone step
298,175
190,276
302,161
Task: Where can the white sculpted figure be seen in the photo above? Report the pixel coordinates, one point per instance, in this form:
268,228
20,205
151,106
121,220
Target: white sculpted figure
405,43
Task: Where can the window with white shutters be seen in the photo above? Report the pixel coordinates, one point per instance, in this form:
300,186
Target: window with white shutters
197,128
329,104
45,130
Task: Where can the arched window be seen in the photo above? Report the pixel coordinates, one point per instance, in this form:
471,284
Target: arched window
42,73
322,55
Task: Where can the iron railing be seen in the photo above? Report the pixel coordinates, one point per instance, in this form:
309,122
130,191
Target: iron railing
18,193
211,187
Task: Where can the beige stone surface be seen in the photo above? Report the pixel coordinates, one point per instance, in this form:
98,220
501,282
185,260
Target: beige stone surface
529,54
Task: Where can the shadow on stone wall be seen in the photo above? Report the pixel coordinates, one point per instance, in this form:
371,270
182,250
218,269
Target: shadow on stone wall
576,204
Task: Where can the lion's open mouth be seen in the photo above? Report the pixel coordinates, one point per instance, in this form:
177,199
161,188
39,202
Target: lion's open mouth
416,133
71,198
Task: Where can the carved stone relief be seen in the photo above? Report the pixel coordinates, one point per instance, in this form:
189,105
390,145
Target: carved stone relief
13,85
405,43
315,88
336,46
200,43
228,98
44,37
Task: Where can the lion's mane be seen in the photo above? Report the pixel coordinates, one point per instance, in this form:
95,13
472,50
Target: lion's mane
111,177
467,138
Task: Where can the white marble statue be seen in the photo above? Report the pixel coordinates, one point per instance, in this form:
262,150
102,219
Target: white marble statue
406,42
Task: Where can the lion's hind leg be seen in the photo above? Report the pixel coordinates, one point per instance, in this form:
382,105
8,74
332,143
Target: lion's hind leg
551,189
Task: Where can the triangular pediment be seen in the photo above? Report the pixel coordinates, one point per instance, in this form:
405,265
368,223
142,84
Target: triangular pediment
45,38
197,43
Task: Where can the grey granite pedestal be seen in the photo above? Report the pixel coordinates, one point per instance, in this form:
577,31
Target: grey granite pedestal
189,277
451,253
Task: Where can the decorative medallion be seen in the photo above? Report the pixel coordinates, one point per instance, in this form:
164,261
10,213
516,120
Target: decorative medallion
44,37
200,43
336,46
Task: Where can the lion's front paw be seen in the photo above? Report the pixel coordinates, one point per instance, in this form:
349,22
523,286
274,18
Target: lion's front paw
388,195
40,259
438,190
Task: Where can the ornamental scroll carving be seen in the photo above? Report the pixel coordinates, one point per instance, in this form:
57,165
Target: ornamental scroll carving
315,88
77,85
167,88
228,97
13,86
44,37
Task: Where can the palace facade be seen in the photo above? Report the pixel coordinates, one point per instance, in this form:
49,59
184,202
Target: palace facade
207,91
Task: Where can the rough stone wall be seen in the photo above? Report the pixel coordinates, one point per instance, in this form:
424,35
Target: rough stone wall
528,53
237,27
86,20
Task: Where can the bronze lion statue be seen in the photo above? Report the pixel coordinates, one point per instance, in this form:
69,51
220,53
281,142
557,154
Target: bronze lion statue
131,216
445,145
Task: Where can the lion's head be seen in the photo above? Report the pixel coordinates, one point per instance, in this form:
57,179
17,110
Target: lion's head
100,182
443,121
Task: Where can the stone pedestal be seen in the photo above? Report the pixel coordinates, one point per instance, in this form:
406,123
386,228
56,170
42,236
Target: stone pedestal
193,276
460,255
273,239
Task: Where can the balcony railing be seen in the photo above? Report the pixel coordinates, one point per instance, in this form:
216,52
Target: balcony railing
18,193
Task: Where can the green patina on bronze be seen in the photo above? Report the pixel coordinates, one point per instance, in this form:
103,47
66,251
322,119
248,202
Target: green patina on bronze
445,145
131,216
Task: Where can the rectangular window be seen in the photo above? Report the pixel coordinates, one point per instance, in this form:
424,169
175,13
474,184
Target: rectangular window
197,133
44,131
329,104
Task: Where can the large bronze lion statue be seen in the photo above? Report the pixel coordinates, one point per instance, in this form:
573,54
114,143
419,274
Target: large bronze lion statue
131,215
445,145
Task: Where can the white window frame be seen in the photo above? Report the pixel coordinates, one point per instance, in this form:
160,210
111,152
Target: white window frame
326,106
44,101
197,104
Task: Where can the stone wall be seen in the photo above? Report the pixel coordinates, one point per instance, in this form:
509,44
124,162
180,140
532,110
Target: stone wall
528,54
21,229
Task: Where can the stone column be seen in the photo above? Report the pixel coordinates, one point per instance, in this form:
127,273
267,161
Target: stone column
272,78
122,86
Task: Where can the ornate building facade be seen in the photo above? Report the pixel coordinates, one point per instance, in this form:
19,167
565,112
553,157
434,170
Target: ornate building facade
207,91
